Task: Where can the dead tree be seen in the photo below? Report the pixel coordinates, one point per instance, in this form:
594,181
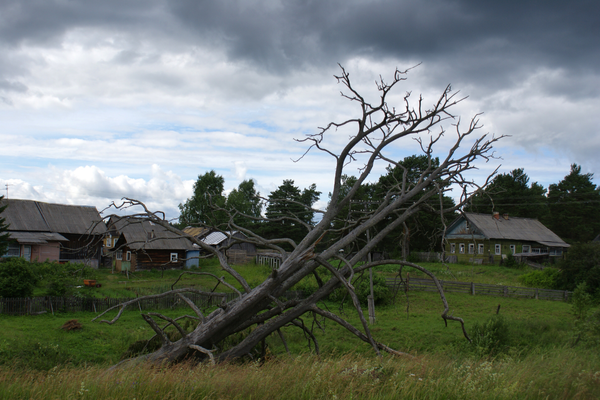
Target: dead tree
377,128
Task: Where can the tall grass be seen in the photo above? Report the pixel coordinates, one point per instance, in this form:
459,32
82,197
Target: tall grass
559,374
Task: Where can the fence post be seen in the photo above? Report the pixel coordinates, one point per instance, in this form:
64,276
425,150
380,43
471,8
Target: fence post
472,289
505,291
537,297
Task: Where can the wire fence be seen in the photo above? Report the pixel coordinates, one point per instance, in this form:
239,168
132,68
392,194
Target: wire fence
427,285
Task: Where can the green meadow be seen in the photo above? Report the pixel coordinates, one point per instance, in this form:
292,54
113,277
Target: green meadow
522,348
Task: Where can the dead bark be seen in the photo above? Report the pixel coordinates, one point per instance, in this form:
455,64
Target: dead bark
377,127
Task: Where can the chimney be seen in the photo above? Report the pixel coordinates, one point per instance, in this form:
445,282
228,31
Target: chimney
496,215
505,216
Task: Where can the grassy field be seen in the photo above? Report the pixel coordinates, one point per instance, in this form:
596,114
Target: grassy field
150,282
531,349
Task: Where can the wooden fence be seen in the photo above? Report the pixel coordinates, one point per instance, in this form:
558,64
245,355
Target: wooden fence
428,285
40,305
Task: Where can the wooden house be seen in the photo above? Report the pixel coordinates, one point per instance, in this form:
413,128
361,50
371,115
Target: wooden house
489,238
142,244
55,232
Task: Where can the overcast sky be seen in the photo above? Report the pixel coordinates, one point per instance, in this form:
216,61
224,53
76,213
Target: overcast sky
109,99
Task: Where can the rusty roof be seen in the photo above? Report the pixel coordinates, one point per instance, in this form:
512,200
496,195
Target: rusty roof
512,228
196,231
144,234
35,216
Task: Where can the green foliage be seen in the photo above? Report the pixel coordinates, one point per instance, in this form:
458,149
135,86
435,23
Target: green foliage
581,264
491,337
544,279
574,207
245,200
292,208
512,194
511,262
59,280
4,236
200,208
381,293
33,355
17,278
581,302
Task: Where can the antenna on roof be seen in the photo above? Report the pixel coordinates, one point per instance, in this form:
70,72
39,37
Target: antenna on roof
7,185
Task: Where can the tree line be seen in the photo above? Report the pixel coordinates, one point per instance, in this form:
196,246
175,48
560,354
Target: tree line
570,208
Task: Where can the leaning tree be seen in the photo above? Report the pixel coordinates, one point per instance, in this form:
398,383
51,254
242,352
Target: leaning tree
263,310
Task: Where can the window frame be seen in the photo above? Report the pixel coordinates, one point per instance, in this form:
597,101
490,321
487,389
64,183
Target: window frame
471,248
497,249
174,257
452,248
461,248
480,248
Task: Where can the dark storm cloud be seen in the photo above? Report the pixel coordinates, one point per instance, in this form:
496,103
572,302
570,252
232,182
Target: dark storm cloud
478,37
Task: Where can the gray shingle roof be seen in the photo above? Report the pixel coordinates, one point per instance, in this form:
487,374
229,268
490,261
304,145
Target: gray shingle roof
35,216
139,234
514,228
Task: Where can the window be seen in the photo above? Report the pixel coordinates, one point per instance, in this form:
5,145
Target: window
471,248
461,248
526,248
480,248
128,256
536,251
119,255
452,248
512,249
173,257
498,249
14,250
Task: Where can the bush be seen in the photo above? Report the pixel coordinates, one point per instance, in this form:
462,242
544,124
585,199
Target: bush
511,262
582,264
362,287
581,302
545,279
17,279
491,337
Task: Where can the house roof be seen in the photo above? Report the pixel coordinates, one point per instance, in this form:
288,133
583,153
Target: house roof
513,228
35,216
141,233
196,231
37,237
216,238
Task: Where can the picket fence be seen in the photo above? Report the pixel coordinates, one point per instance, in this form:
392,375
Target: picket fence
420,284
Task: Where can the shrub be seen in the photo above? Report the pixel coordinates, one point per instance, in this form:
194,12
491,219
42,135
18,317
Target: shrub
362,287
491,337
582,264
545,279
581,302
511,262
17,278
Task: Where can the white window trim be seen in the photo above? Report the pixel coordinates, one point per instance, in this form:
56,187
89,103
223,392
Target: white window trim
471,248
174,257
498,249
128,256
480,248
513,248
452,248
526,248
461,248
